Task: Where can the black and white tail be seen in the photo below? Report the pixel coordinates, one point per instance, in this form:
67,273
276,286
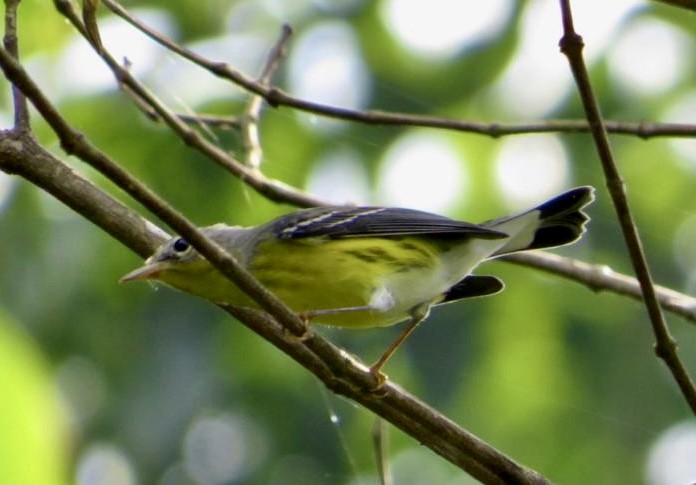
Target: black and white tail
556,222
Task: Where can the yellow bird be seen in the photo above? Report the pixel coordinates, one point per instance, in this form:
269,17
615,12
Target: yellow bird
359,267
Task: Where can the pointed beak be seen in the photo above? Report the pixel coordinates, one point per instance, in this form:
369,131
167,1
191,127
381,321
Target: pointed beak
150,271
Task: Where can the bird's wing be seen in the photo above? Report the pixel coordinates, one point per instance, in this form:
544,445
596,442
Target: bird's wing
341,222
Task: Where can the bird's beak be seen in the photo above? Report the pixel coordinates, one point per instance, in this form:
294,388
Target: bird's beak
149,271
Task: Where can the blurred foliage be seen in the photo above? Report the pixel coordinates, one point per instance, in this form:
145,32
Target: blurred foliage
35,442
561,378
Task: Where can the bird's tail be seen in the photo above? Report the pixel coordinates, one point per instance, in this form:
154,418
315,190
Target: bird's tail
556,222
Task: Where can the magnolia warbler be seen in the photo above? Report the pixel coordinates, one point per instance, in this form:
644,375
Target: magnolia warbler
367,266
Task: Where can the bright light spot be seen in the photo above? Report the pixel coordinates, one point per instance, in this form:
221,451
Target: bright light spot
597,23
650,57
222,448
671,458
6,184
531,168
185,85
104,464
81,71
606,270
326,66
288,11
538,77
423,171
683,110
334,419
442,27
340,177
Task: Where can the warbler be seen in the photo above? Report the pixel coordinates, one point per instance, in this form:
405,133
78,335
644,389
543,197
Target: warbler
367,266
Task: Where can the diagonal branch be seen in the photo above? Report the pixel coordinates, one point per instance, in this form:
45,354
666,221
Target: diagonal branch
571,45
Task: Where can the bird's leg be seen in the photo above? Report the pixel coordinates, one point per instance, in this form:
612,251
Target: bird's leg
418,314
380,301
307,316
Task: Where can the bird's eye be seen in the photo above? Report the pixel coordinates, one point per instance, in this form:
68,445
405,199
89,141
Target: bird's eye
181,245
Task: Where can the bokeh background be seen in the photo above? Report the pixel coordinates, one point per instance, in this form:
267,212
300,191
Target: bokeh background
122,384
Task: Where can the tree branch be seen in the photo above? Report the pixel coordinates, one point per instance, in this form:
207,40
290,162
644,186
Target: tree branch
21,112
571,45
603,278
276,97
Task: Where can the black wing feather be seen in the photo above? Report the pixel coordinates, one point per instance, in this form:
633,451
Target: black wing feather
473,286
341,222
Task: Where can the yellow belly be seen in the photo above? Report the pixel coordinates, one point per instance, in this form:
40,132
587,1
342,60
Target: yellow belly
341,273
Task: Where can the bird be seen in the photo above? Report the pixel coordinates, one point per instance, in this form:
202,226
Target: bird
363,267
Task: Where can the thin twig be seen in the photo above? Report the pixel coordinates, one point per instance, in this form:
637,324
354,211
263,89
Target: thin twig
252,115
217,121
381,451
603,278
571,45
21,111
89,17
276,97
